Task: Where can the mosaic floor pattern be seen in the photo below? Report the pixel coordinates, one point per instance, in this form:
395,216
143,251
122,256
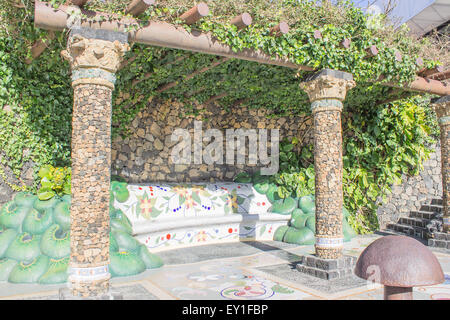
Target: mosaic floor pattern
241,271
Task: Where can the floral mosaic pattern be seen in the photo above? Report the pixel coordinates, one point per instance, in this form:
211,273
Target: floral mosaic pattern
172,201
198,235
223,279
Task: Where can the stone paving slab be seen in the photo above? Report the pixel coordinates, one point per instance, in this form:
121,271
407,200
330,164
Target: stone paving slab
239,271
289,272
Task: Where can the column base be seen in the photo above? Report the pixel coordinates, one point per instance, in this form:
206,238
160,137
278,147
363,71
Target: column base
66,294
327,269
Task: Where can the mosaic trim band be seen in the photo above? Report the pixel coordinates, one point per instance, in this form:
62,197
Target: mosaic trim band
89,73
329,242
444,120
89,274
326,105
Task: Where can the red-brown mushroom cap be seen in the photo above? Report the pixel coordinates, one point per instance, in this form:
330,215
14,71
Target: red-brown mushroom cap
400,261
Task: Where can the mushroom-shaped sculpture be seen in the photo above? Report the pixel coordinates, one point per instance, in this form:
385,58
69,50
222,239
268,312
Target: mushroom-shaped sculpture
399,263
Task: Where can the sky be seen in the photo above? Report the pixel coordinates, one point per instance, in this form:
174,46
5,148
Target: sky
404,10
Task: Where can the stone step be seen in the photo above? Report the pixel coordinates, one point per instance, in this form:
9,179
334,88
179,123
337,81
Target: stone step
436,201
431,208
423,215
441,236
444,244
408,230
414,222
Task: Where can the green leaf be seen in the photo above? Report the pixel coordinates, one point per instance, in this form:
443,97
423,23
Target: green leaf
45,194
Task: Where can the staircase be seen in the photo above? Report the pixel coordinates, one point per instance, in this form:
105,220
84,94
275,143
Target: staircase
424,225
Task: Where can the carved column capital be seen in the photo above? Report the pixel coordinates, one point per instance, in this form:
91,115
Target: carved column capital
328,84
94,53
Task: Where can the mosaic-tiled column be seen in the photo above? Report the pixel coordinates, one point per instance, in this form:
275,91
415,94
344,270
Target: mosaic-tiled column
94,56
326,90
442,108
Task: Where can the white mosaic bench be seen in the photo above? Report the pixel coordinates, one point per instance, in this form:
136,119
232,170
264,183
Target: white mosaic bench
165,216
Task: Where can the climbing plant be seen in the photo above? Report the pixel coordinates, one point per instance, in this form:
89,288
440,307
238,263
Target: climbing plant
36,98
380,144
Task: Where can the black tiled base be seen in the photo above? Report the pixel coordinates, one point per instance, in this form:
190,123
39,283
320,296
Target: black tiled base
328,269
66,294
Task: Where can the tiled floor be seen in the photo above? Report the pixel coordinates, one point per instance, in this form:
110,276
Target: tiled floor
241,271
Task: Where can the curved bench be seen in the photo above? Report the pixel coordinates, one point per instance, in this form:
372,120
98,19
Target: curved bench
164,216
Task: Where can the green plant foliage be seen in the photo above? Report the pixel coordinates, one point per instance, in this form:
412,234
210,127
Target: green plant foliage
54,181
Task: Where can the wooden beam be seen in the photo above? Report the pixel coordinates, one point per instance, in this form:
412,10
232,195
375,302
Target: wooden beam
428,72
195,13
317,34
242,21
79,3
372,51
345,43
157,33
127,61
216,97
163,34
39,46
280,29
441,76
138,7
423,85
398,56
202,70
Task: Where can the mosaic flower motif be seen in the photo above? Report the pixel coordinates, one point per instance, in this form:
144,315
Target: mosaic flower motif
180,190
231,202
202,236
146,207
248,291
189,202
200,190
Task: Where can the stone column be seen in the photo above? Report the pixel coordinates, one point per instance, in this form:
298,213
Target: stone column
442,109
94,57
326,90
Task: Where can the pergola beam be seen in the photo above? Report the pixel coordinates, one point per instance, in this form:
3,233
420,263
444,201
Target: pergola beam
163,34
441,75
280,29
195,13
242,21
428,72
79,3
216,97
39,46
138,7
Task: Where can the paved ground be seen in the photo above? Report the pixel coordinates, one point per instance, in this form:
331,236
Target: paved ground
243,271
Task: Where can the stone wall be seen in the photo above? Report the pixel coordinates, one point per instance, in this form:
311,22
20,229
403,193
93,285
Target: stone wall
414,191
26,178
145,155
